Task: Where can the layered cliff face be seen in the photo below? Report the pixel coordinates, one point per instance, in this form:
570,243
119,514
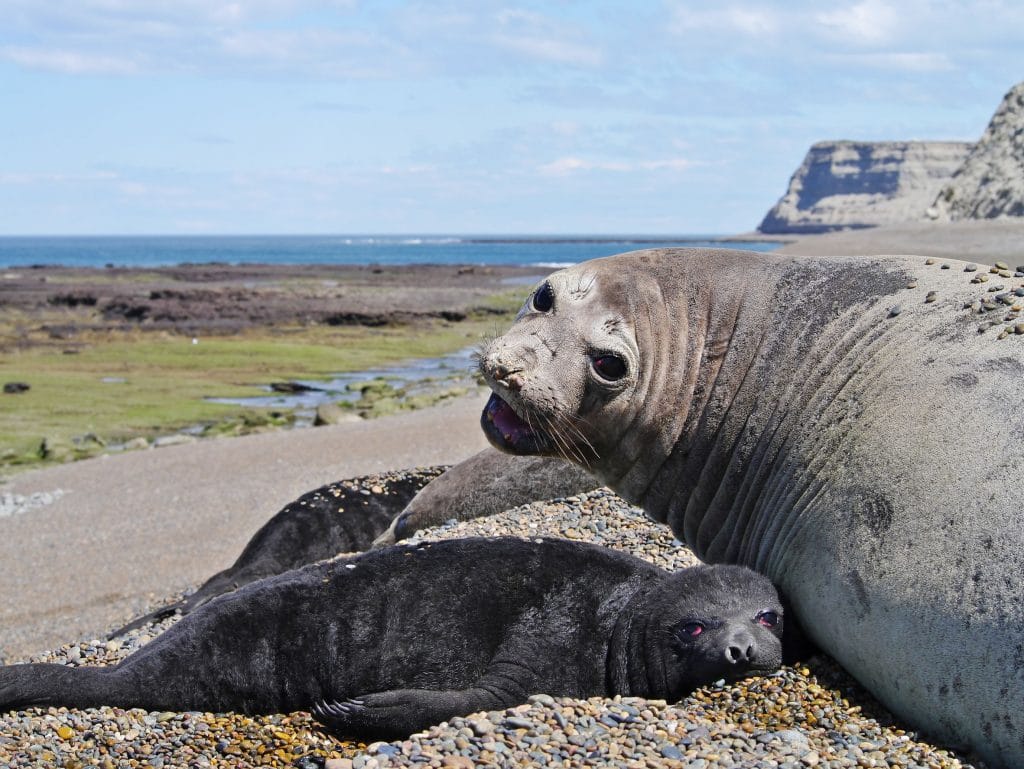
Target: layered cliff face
990,183
844,184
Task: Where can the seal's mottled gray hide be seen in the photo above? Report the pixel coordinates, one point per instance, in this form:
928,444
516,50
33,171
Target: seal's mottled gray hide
394,640
824,422
487,483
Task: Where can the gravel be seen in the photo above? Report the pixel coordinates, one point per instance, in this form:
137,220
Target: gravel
807,715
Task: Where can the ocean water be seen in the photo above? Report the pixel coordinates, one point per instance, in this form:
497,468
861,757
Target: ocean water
160,251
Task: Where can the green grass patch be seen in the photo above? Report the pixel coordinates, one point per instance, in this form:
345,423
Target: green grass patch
119,387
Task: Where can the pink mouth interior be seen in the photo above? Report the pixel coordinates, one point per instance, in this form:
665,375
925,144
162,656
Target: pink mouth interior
502,416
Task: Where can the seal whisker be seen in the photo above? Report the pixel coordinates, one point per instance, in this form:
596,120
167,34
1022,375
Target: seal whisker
565,446
570,424
478,354
546,429
565,425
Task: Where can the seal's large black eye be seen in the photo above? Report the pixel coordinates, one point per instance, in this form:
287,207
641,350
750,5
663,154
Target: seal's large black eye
544,298
768,618
610,367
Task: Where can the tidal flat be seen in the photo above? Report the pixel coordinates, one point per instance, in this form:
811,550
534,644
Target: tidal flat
120,357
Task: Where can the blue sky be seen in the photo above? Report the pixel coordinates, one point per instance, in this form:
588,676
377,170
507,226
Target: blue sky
293,116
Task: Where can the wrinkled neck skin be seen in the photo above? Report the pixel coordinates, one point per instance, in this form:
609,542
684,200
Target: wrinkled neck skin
731,359
683,345
690,321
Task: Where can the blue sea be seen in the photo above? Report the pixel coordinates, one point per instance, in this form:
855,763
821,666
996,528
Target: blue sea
162,251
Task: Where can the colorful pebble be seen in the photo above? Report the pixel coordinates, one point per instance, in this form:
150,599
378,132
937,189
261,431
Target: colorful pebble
808,715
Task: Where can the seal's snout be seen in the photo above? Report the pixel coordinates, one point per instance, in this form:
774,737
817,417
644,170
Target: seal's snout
741,651
501,368
507,376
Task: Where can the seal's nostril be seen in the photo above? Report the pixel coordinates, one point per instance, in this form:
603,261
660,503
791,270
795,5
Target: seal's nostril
497,370
735,655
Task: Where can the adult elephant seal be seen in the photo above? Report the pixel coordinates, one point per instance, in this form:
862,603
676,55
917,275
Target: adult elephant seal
374,654
838,424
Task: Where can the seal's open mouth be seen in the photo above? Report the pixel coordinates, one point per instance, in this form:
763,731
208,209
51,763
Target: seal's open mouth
507,431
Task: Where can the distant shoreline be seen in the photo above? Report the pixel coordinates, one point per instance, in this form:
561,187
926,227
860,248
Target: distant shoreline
979,239
145,252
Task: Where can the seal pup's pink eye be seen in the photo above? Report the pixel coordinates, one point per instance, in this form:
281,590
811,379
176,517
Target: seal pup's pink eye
768,618
544,298
610,367
693,629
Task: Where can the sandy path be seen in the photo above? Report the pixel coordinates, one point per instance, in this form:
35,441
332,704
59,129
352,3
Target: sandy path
145,524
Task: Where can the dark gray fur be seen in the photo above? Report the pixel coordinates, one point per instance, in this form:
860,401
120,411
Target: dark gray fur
341,517
373,654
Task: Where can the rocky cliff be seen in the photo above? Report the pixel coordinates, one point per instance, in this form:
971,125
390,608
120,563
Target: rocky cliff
990,183
847,184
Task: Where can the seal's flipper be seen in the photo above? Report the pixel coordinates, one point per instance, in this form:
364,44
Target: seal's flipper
488,482
41,684
401,712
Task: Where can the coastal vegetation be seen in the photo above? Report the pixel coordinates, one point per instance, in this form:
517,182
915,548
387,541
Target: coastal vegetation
93,388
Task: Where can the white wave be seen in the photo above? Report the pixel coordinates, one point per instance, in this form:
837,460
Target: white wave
429,241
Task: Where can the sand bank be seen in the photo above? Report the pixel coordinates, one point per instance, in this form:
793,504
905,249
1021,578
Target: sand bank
981,241
143,525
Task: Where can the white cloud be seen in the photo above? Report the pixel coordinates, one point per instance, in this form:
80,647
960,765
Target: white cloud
564,166
268,45
476,30
145,14
414,169
899,62
151,191
868,22
550,49
570,164
749,21
320,38
68,62
568,128
56,178
541,37
752,21
144,36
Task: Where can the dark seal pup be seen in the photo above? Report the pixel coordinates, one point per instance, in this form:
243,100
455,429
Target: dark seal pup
399,638
351,515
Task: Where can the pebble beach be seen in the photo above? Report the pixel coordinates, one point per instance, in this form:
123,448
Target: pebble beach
807,715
